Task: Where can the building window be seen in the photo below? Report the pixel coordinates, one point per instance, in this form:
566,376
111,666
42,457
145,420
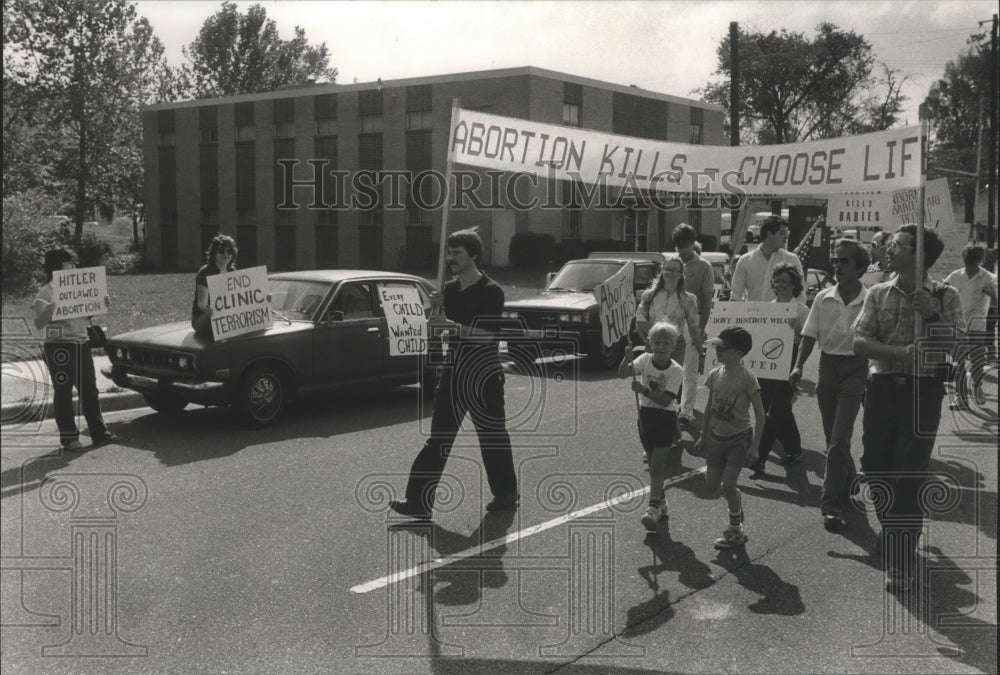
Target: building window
418,160
697,134
325,147
283,150
208,233
246,242
208,124
325,112
244,118
571,212
370,124
635,228
326,127
571,115
420,249
165,126
284,248
284,130
168,179
639,116
326,247
208,175
419,121
369,102
370,248
246,176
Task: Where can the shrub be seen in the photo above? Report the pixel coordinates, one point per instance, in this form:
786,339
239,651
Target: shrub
27,233
570,249
531,249
91,251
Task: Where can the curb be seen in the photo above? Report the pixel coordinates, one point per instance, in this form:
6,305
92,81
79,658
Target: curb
22,412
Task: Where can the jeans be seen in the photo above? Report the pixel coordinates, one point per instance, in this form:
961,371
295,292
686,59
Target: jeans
839,392
481,395
71,365
901,420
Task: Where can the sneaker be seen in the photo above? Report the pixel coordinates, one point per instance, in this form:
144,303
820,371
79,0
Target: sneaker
405,507
757,471
832,522
685,422
105,439
653,515
503,502
732,537
73,446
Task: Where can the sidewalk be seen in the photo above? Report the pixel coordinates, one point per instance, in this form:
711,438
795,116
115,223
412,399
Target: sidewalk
26,392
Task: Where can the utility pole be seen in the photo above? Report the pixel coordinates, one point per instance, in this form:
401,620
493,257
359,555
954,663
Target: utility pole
734,118
991,223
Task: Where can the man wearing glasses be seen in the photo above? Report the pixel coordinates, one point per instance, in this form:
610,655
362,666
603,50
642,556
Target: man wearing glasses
842,373
878,271
904,391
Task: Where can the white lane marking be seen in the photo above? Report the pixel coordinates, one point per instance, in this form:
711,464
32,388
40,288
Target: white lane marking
512,537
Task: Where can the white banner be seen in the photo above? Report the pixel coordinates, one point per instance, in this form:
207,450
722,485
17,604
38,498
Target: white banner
885,160
404,312
239,302
79,293
616,304
767,323
878,211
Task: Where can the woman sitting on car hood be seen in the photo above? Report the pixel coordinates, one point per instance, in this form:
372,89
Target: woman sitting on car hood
220,257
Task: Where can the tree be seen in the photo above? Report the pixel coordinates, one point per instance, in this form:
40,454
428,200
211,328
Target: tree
242,54
953,108
792,89
82,69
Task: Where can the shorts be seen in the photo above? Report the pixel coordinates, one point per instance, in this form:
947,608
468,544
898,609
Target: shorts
729,450
657,428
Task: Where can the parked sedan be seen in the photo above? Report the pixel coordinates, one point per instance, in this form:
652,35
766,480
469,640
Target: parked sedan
567,311
329,331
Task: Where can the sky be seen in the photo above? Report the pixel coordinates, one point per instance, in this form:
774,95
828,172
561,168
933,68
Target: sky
665,46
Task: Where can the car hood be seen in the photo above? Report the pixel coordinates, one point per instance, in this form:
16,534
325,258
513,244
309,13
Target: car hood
180,335
555,300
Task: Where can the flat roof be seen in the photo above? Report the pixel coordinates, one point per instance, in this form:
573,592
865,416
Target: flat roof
295,91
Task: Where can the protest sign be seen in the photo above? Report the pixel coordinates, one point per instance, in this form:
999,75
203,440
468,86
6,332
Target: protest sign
884,160
239,302
406,317
79,293
767,323
876,211
616,304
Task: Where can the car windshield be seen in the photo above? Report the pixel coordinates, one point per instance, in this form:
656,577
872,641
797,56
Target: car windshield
583,275
297,300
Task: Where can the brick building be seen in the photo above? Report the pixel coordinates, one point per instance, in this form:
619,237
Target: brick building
212,165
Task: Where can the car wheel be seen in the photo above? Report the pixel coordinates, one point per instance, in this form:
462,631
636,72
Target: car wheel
168,404
261,396
607,357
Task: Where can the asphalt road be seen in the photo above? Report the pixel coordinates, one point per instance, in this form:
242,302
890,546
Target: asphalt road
196,546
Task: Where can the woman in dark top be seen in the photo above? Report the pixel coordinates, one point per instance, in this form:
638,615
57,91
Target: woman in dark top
220,257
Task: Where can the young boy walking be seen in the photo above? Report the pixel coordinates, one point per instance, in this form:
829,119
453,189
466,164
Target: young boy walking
728,440
657,379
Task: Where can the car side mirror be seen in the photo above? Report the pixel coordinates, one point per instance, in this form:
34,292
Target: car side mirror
548,278
334,315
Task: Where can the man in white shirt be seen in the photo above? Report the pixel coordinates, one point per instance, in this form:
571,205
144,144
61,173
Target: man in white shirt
977,289
752,276
842,374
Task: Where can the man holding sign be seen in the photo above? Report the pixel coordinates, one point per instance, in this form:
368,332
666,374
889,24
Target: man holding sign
472,383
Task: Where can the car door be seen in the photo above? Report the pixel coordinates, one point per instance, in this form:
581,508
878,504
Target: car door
349,343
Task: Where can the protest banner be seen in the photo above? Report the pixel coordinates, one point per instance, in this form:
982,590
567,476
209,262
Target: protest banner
886,160
406,317
79,293
616,304
767,323
876,211
239,302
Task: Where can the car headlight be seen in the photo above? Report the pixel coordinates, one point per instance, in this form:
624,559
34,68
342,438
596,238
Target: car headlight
183,362
121,353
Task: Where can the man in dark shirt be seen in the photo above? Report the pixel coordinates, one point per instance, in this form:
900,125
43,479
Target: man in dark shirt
472,383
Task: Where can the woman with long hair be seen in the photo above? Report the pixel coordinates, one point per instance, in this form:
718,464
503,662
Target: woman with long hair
666,300
220,257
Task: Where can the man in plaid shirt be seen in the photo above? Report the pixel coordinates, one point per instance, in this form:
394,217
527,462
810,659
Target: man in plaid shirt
905,390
